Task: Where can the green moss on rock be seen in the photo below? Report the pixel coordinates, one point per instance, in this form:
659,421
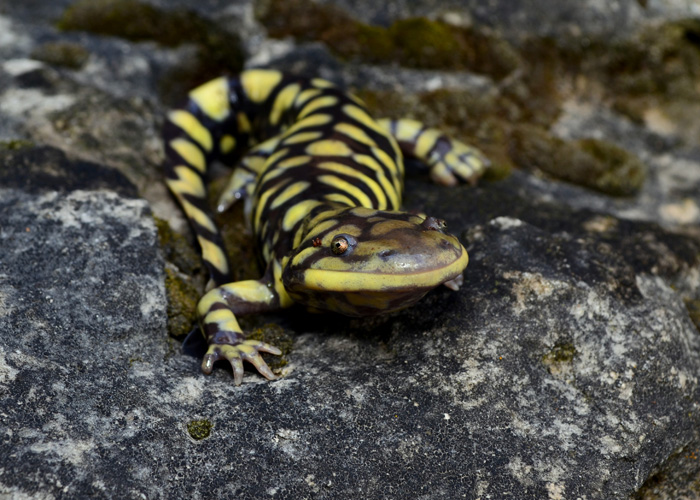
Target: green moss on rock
422,43
559,360
66,54
464,115
181,292
237,237
133,20
218,50
182,304
15,144
618,172
415,42
275,335
199,429
591,163
693,306
177,250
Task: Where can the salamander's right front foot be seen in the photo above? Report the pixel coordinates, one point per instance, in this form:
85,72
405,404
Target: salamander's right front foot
247,350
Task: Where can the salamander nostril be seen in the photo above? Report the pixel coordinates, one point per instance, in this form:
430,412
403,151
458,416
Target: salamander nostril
385,254
433,224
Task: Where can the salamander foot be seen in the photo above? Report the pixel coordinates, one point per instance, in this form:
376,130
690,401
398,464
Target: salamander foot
248,350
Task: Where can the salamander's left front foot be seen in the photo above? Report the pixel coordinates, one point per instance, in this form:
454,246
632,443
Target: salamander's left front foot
247,350
453,160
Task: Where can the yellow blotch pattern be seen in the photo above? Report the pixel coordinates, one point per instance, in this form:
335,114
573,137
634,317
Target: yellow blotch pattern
283,102
389,225
302,137
212,98
389,189
345,186
426,141
305,95
190,153
227,144
333,264
355,133
244,126
309,121
289,192
262,201
214,254
298,212
318,103
328,147
187,182
192,127
339,168
319,228
258,83
339,198
304,254
321,83
407,130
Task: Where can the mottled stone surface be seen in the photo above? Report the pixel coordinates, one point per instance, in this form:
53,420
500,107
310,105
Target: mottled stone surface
518,17
566,367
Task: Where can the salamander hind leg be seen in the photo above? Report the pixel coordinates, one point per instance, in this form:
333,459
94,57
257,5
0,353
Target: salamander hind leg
242,181
217,311
449,160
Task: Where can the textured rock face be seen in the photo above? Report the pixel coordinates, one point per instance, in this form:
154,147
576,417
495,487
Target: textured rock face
566,366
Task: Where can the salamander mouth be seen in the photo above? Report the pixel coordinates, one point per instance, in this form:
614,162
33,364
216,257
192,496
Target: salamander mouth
353,281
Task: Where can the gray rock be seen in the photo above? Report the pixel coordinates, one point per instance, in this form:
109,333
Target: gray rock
81,308
516,18
565,367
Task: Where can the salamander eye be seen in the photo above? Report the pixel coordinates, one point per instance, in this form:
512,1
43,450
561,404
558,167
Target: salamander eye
341,243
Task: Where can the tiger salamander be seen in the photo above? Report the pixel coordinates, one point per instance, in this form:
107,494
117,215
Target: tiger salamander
322,183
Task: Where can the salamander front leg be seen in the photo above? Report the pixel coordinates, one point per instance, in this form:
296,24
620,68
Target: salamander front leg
217,311
449,160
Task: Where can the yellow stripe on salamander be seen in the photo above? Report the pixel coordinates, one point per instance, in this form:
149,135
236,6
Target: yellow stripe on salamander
346,187
316,104
214,254
259,83
244,126
298,212
320,228
193,127
289,192
395,167
227,144
309,121
426,141
306,95
212,98
328,147
302,137
389,189
339,198
339,168
344,281
284,299
262,201
407,130
355,133
190,153
303,255
188,182
321,83
283,102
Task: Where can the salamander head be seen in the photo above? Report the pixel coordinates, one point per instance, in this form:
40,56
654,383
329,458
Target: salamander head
359,261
